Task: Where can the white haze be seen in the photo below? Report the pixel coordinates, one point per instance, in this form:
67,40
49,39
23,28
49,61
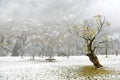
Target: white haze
52,11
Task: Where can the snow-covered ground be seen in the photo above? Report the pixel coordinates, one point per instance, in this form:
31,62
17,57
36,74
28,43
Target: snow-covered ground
16,68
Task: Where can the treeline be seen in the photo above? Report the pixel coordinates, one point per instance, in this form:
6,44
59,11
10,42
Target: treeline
50,44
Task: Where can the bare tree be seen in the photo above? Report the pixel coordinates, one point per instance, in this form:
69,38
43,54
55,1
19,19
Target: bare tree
106,47
42,49
90,32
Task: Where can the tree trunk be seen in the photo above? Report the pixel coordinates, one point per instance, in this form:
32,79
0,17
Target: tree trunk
22,55
116,52
32,57
42,55
106,53
93,58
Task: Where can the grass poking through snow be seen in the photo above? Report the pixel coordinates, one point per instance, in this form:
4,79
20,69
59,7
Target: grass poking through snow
92,71
87,73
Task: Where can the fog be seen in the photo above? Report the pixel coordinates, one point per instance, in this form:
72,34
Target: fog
47,12
109,8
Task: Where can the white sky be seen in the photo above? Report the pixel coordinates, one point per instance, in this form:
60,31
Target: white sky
51,10
109,8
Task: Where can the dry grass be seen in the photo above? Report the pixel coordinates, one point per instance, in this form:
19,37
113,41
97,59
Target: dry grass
89,73
92,71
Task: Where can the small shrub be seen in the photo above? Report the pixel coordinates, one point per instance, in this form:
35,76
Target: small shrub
50,60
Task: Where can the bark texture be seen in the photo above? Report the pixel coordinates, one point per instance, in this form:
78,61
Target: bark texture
94,59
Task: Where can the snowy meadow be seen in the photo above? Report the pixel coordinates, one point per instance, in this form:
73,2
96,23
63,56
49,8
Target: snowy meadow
59,40
16,68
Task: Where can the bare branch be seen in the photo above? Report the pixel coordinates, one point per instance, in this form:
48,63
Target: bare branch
99,44
100,25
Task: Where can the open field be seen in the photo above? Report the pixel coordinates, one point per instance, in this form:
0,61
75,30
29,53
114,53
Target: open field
16,68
